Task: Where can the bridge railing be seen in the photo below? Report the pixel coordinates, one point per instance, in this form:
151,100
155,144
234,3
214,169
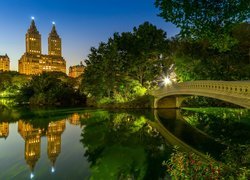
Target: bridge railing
239,88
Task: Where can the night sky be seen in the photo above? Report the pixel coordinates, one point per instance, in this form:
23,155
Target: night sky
80,23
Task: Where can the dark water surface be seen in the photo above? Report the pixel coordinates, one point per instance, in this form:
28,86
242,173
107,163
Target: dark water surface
98,144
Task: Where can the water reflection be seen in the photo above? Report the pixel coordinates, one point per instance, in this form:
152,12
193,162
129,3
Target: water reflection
231,129
32,137
76,117
53,134
123,146
229,126
115,145
185,135
32,132
4,130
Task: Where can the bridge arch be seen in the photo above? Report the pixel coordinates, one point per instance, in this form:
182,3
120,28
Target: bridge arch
236,92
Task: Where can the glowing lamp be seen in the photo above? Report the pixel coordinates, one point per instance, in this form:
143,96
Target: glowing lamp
167,81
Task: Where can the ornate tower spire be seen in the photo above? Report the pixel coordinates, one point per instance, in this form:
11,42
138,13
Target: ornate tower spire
33,39
33,28
53,32
54,42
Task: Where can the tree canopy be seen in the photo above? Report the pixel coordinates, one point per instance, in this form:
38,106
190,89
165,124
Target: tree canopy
197,61
127,64
212,20
50,88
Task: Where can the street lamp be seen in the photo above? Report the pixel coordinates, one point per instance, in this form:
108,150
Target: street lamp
167,81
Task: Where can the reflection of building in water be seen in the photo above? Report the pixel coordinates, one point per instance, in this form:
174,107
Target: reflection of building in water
4,130
55,130
85,116
75,119
32,138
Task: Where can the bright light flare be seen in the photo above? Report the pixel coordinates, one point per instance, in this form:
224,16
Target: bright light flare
53,22
53,169
31,175
167,81
32,17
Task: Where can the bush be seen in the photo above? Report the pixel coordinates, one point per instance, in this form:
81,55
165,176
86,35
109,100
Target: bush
50,89
184,165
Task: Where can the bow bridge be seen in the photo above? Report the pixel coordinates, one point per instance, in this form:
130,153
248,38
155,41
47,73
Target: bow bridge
171,96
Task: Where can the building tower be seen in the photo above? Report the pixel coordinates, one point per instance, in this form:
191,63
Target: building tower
4,63
76,71
33,39
32,138
33,61
54,43
55,130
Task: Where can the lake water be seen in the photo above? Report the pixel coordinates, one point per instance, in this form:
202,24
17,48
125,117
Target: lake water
75,143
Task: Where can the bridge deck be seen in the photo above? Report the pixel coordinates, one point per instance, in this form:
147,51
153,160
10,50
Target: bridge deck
237,92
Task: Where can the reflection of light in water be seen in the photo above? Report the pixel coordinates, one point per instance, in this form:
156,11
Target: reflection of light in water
31,175
52,169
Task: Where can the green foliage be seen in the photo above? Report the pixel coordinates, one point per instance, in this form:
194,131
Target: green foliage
210,20
122,146
184,165
119,162
197,61
228,126
106,100
50,89
201,101
140,102
214,40
10,83
125,66
237,158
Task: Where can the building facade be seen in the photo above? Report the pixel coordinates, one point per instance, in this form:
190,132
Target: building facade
33,61
4,130
32,137
76,71
4,63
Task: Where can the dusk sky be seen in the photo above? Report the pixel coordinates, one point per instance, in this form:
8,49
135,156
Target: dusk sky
80,23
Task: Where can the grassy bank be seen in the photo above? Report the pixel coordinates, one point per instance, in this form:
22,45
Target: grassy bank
142,102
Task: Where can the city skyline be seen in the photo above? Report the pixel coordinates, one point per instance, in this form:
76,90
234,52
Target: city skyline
81,25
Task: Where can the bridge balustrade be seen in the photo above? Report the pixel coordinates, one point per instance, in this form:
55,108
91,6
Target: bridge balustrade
240,88
237,92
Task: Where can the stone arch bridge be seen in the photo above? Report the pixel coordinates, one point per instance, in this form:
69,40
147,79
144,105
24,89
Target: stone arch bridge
171,96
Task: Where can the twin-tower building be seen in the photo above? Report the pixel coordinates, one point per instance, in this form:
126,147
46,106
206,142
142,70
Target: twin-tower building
33,61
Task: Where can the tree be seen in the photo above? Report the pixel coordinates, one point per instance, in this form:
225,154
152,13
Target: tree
50,88
11,82
211,20
196,60
150,53
130,60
